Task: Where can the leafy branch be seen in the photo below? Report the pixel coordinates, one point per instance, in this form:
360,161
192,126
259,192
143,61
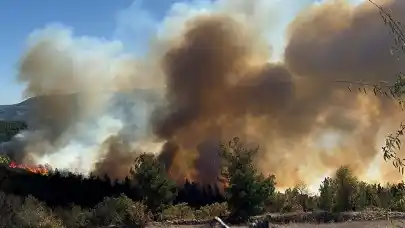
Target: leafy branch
392,144
397,90
394,91
396,29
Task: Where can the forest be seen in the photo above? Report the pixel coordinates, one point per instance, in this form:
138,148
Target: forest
32,197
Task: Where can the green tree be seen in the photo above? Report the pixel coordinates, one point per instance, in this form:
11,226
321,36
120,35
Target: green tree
292,200
153,182
8,129
366,196
327,194
346,189
248,190
303,198
384,196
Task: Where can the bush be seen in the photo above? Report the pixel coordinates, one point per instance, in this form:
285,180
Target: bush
34,214
210,211
398,205
276,204
9,206
184,212
119,211
178,212
74,216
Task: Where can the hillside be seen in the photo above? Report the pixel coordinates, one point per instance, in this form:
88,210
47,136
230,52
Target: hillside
29,109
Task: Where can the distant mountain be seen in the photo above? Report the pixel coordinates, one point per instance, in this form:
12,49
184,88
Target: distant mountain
121,102
15,111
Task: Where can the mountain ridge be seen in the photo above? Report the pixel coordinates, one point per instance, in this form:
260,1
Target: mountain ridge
123,99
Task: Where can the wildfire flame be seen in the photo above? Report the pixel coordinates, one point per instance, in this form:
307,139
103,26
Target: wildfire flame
40,169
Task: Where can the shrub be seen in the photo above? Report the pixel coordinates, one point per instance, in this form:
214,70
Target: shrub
277,203
119,211
398,205
9,206
178,212
184,212
210,211
74,216
34,214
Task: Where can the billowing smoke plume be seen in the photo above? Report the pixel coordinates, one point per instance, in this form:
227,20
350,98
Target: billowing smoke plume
219,83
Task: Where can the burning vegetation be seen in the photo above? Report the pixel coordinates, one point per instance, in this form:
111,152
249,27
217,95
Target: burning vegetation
40,169
37,169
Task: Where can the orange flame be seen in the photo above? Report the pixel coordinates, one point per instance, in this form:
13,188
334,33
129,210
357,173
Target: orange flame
40,169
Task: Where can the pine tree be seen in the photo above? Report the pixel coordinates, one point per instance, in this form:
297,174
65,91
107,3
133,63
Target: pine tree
248,190
326,196
153,183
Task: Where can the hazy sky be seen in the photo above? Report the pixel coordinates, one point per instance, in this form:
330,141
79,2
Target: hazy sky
131,22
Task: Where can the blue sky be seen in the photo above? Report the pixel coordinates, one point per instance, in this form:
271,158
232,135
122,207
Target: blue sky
18,18
132,22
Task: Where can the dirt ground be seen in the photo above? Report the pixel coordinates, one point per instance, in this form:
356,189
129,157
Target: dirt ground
357,224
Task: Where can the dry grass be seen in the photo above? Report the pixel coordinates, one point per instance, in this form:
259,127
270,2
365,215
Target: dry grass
355,224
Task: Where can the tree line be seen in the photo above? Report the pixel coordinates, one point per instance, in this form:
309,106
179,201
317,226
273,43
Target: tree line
8,129
72,200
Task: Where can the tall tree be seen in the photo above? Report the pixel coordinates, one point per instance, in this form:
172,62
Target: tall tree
153,182
248,190
346,186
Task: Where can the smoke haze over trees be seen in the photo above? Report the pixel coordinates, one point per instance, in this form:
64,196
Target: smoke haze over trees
212,78
61,199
